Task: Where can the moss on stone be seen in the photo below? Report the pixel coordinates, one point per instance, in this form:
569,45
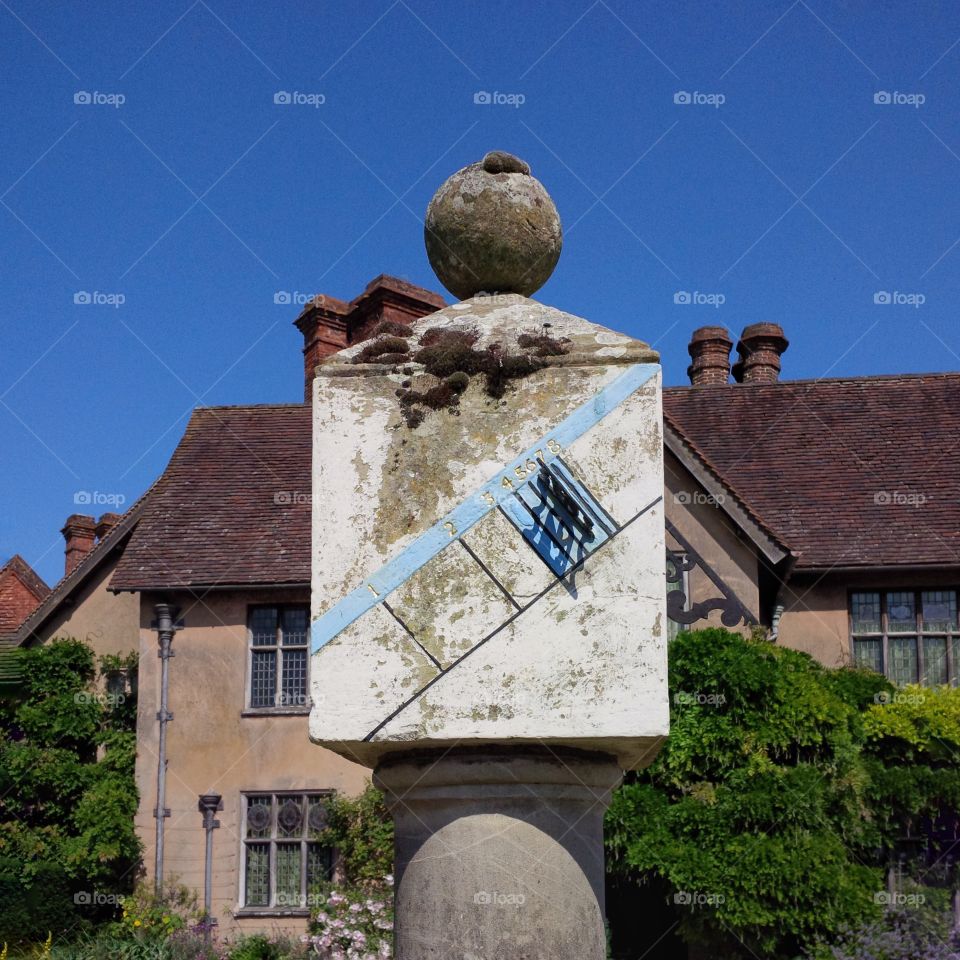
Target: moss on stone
452,356
542,345
391,328
377,350
458,382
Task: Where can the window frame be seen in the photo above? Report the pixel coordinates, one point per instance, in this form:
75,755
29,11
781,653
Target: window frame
951,637
273,908
277,649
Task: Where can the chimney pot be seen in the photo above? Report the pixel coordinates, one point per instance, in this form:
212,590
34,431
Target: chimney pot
761,346
105,524
79,533
710,349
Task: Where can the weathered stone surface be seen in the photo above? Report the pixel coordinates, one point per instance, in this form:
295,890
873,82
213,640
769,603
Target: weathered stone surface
481,643
492,227
499,854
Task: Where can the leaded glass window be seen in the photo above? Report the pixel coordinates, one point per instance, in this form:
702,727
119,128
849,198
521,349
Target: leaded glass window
279,656
866,613
284,862
911,636
903,660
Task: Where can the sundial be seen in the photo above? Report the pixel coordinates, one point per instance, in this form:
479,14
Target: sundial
488,596
460,565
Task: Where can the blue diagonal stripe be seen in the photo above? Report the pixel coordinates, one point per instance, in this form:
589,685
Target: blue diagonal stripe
475,507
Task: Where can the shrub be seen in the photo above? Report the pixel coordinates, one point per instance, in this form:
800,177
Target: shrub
757,801
361,829
265,948
148,915
352,925
898,936
66,815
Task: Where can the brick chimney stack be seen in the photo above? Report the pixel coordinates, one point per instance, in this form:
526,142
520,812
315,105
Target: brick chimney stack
79,531
329,324
105,524
710,349
761,346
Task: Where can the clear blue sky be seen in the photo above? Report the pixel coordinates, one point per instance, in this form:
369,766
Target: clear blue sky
796,199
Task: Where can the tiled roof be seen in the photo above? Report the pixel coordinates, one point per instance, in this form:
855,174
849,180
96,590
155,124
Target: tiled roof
845,472
811,463
16,602
232,507
104,548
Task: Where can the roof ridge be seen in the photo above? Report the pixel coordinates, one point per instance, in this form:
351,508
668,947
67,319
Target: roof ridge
252,406
881,378
86,565
28,576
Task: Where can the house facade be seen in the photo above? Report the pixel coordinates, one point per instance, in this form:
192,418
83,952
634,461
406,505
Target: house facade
825,513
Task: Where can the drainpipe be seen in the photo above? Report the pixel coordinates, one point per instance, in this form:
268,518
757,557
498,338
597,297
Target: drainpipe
209,804
779,604
165,628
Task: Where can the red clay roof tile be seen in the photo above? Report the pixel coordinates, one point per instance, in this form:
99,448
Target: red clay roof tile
846,472
232,507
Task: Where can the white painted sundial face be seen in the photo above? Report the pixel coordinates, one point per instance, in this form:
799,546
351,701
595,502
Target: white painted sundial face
495,576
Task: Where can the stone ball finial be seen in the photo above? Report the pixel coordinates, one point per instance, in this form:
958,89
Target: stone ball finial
492,228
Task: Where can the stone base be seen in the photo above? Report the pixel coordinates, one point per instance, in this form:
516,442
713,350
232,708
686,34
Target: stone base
499,852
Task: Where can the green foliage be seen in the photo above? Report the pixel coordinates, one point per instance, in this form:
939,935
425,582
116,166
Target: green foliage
921,724
756,812
912,745
148,915
67,793
910,934
266,948
362,831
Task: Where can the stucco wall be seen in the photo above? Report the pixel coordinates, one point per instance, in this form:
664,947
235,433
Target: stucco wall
704,525
108,622
816,618
212,748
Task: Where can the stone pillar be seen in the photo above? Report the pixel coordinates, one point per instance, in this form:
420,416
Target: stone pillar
499,852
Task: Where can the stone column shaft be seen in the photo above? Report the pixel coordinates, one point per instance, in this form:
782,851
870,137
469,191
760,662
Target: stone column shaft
499,852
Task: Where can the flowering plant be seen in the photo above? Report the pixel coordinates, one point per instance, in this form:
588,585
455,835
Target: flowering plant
355,923
147,915
897,936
